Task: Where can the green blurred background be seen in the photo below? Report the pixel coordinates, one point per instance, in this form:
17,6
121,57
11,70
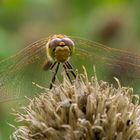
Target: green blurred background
115,23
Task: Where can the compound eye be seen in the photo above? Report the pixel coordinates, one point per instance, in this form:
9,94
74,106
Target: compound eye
68,42
54,43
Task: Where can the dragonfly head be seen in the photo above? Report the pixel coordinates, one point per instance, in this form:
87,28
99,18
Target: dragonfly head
60,48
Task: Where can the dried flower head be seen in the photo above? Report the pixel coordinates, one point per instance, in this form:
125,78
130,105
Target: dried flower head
83,111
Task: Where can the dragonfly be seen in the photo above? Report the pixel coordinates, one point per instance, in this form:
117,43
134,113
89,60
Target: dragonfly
34,62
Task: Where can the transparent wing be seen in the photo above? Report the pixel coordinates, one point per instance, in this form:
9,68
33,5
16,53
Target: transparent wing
116,61
18,72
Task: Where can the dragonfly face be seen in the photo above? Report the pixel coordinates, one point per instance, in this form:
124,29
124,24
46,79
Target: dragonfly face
19,71
60,48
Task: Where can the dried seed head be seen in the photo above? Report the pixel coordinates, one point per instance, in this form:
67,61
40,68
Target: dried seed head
84,110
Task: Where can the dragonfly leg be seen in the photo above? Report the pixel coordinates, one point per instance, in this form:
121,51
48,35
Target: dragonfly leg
51,67
54,74
67,73
69,66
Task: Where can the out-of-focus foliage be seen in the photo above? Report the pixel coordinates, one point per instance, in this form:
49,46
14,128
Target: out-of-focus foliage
114,23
